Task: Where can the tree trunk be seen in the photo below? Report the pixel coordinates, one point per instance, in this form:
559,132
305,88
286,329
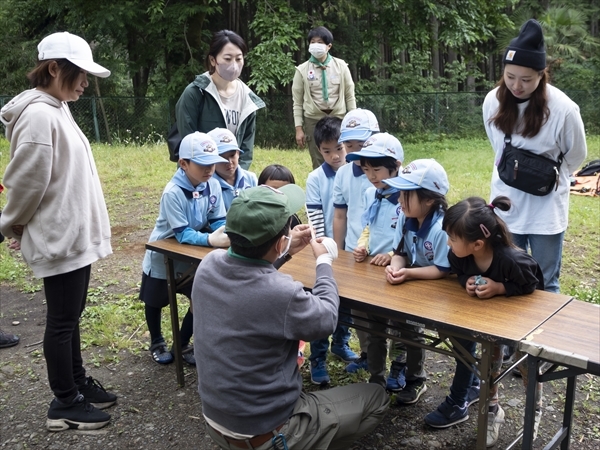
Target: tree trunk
435,49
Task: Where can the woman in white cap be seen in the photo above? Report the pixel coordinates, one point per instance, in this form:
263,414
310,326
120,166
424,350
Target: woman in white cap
55,209
532,115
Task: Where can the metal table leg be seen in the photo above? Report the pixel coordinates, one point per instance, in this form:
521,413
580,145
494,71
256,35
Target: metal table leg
172,284
484,392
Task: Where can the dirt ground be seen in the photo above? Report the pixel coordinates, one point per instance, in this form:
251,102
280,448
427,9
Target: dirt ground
153,413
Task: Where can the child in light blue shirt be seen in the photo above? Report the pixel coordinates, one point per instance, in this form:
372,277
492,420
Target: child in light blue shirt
421,253
192,211
230,175
380,159
319,184
350,182
348,201
319,204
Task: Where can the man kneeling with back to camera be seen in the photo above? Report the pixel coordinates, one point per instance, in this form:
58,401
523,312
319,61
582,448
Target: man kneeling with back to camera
251,319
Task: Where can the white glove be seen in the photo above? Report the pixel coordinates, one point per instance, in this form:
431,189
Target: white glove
219,238
332,251
331,247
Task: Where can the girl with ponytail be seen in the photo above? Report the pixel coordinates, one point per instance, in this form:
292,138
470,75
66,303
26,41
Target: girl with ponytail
487,264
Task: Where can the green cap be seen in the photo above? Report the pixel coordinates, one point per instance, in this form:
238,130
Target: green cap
261,212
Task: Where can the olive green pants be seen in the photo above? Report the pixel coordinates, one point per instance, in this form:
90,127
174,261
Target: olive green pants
330,419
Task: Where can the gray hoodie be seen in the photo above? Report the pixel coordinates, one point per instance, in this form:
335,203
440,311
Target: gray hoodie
53,188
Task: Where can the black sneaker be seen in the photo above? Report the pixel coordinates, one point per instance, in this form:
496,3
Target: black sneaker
8,339
78,414
411,393
96,395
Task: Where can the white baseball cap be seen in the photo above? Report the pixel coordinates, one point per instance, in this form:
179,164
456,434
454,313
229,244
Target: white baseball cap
201,149
225,140
378,146
421,174
72,48
358,125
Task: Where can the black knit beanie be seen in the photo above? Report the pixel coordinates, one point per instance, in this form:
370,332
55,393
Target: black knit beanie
527,49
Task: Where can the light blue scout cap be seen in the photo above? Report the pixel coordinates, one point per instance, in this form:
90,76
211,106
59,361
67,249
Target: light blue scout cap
225,140
421,174
378,146
358,125
201,149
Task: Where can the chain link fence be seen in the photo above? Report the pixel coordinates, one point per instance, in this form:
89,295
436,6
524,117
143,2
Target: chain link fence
135,121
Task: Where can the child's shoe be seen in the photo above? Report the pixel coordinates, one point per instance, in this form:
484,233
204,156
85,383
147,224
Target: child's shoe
344,353
161,354
447,414
187,353
318,372
411,393
493,426
360,363
472,395
396,380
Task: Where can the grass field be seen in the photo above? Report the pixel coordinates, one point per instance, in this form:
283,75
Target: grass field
133,175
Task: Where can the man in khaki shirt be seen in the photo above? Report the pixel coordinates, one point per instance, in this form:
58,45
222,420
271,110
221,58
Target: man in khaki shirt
322,86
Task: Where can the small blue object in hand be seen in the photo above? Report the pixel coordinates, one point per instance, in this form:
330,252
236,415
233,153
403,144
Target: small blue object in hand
479,281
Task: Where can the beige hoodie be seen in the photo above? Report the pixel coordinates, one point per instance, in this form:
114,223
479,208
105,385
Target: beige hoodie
52,187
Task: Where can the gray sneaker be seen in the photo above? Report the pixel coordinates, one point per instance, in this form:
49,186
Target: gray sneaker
493,426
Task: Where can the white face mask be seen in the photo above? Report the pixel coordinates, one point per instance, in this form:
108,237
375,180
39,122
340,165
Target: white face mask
318,50
229,72
287,247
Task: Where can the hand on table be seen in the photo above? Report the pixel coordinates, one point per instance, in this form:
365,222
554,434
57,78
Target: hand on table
359,253
382,259
395,275
490,289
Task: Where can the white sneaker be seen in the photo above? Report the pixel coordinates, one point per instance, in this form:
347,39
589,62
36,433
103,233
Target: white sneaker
493,426
536,424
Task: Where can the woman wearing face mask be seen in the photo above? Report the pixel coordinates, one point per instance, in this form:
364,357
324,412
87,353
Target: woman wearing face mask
322,87
219,99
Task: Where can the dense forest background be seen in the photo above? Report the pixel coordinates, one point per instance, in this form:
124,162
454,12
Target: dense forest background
155,47
422,67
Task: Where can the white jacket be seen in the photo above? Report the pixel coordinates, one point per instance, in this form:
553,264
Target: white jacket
53,187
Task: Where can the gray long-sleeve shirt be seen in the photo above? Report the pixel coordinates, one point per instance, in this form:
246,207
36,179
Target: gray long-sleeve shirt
248,319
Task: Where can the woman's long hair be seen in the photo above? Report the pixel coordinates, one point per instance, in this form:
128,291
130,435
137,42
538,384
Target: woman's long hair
536,114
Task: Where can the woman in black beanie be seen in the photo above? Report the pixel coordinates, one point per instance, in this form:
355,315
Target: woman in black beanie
533,116
543,120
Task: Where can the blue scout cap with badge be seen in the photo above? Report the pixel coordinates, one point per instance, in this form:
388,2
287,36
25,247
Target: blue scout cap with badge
378,146
201,149
225,140
421,174
358,125
261,212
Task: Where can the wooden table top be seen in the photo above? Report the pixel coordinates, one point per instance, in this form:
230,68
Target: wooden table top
438,302
442,302
575,327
